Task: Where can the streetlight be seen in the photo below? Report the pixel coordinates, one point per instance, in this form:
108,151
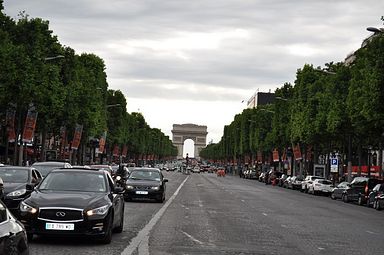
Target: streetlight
112,105
55,57
375,30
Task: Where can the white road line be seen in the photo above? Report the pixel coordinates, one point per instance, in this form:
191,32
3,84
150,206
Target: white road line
242,200
370,232
265,214
192,238
321,248
140,241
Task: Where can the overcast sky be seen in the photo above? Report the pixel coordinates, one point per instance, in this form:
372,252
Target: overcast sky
179,61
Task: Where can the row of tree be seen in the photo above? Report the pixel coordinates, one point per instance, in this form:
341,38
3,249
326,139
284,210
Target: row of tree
66,89
339,108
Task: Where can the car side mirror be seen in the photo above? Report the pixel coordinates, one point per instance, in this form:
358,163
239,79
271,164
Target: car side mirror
29,187
165,180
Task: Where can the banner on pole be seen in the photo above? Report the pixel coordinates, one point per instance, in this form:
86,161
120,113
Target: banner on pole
10,122
30,124
77,137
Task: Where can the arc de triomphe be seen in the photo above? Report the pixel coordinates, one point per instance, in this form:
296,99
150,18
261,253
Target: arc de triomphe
182,132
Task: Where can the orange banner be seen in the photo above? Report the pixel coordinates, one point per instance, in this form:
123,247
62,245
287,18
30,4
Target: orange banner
116,151
297,152
102,141
77,137
275,155
10,122
30,125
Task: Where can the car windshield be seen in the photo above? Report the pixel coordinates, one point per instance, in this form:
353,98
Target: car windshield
74,181
145,175
15,175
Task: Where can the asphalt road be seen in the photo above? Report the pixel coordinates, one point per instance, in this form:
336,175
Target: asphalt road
205,214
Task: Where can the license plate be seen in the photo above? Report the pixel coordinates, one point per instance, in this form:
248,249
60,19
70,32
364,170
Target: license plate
59,226
139,192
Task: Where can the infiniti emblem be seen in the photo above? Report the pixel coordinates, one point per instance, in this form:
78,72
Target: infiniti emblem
60,214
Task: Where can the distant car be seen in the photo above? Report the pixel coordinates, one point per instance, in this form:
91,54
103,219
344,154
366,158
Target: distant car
308,181
104,167
196,169
337,192
320,186
359,190
13,238
296,183
46,167
74,202
19,182
376,192
145,183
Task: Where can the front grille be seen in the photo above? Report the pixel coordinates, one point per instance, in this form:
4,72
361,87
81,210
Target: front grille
142,187
61,214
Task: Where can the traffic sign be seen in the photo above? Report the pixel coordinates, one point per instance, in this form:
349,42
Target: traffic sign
334,165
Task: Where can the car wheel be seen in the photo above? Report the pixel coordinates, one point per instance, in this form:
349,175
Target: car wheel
333,196
119,229
107,237
378,206
374,204
345,198
360,201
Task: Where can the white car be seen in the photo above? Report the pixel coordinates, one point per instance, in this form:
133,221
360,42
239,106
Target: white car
196,170
320,186
308,181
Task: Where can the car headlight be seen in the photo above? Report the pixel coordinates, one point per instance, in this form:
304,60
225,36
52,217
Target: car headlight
17,193
129,187
155,188
98,211
27,208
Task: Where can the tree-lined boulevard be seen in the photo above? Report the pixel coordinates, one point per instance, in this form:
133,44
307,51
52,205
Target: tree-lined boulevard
213,215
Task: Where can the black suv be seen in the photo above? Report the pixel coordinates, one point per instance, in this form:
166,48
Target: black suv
359,190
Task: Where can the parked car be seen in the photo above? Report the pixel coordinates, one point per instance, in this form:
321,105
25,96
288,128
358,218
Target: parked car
372,198
320,186
281,180
13,238
379,202
18,183
46,167
308,181
286,182
261,177
337,191
359,190
251,174
196,169
145,183
296,183
77,202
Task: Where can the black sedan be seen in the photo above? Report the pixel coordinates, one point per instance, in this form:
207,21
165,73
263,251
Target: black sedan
18,184
13,238
145,183
74,202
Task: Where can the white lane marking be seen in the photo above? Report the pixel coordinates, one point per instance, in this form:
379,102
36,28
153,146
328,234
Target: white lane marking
265,214
321,248
284,226
242,200
140,241
370,232
192,238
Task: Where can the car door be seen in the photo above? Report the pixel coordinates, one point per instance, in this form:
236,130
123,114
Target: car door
116,200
